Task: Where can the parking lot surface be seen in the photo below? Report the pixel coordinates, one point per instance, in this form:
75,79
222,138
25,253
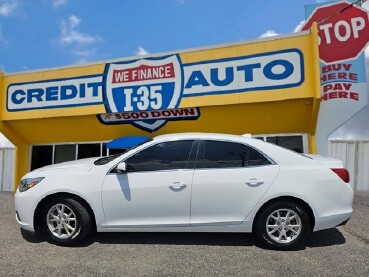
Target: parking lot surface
343,251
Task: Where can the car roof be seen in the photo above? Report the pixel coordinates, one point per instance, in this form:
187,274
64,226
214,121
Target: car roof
201,136
278,154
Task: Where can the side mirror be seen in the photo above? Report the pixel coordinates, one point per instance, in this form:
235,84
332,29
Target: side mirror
122,167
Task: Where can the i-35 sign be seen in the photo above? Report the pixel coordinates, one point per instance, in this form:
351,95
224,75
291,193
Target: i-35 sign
344,35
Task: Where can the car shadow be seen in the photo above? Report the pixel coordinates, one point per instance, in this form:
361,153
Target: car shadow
318,239
323,238
31,236
214,239
327,237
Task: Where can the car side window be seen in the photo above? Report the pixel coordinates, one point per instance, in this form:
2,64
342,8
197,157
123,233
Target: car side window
161,156
256,158
220,154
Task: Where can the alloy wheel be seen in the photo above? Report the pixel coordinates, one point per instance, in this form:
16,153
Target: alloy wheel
283,225
61,221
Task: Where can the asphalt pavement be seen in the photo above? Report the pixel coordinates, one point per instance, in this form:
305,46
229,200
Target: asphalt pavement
342,251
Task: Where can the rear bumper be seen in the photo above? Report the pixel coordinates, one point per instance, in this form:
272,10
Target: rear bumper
343,223
332,210
332,221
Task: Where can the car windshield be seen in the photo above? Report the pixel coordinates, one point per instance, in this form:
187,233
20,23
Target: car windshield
105,160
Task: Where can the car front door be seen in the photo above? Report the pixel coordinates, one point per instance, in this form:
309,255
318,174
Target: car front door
155,190
229,180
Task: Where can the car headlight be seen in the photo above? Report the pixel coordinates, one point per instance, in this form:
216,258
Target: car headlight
28,183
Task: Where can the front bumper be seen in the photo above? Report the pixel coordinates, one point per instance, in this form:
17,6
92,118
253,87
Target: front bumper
24,203
24,225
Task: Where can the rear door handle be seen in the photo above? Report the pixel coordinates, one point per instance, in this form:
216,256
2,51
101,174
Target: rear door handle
254,182
177,185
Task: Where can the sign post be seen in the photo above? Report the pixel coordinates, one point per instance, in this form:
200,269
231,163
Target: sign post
343,31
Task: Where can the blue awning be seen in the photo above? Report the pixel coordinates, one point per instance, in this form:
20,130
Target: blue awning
126,142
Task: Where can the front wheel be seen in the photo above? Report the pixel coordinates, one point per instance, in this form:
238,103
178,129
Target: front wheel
283,225
65,221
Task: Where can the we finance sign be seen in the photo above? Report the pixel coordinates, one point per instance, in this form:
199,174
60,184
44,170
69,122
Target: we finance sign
148,92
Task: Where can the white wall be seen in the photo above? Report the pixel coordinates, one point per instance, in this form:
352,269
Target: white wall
355,157
7,166
4,142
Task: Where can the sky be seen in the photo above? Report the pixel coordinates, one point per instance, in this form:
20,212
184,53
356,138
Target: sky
38,34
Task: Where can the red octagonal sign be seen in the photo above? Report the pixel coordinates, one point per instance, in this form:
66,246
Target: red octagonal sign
344,36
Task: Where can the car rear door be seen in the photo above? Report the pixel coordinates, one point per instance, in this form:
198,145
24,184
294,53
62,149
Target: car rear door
229,180
156,189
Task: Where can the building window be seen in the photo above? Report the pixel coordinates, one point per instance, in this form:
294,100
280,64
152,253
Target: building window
42,155
64,153
291,142
116,151
104,150
89,150
295,142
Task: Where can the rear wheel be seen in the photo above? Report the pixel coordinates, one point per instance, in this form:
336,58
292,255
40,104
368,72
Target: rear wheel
283,225
65,221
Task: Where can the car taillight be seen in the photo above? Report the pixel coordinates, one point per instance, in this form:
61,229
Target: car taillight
342,173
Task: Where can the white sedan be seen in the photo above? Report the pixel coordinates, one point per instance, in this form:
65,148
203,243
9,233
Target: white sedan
189,182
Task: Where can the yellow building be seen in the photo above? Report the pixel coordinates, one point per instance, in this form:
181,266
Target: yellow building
267,87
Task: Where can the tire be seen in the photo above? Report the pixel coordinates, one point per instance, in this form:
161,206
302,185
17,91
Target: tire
65,221
283,225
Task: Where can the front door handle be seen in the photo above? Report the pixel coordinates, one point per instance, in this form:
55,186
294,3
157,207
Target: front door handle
177,185
254,182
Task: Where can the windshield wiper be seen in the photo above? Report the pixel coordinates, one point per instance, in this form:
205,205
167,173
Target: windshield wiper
106,160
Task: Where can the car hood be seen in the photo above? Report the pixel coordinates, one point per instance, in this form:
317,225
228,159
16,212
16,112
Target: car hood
79,166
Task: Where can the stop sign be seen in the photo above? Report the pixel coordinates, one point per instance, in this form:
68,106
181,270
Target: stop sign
342,37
